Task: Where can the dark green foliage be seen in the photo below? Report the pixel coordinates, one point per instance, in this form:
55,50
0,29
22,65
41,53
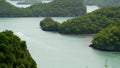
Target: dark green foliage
48,24
13,52
56,8
108,39
8,10
103,3
60,8
91,23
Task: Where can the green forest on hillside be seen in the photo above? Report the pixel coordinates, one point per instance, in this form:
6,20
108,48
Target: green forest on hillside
48,24
105,20
13,52
56,8
91,23
108,39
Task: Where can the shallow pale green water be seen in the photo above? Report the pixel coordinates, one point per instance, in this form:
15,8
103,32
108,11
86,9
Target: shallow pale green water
53,50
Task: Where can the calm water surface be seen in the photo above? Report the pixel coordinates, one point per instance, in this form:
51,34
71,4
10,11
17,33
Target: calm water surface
54,50
91,8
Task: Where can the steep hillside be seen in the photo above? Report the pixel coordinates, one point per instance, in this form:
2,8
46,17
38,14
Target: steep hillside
13,52
91,23
108,39
57,8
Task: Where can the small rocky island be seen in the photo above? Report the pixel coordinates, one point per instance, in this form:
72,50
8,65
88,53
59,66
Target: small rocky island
48,24
14,52
108,39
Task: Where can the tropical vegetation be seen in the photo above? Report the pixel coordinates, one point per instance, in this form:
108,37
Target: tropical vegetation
105,20
91,23
14,52
108,39
57,8
48,24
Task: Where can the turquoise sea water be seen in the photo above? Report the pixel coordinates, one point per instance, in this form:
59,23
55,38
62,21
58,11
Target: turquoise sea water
54,50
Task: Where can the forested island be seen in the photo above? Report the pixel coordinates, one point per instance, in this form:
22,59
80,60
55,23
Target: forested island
103,3
56,8
108,39
48,24
105,20
89,23
13,52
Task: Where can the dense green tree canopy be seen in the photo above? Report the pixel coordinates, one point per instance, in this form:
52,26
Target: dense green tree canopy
91,23
103,3
48,24
8,10
108,39
13,52
56,8
60,8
